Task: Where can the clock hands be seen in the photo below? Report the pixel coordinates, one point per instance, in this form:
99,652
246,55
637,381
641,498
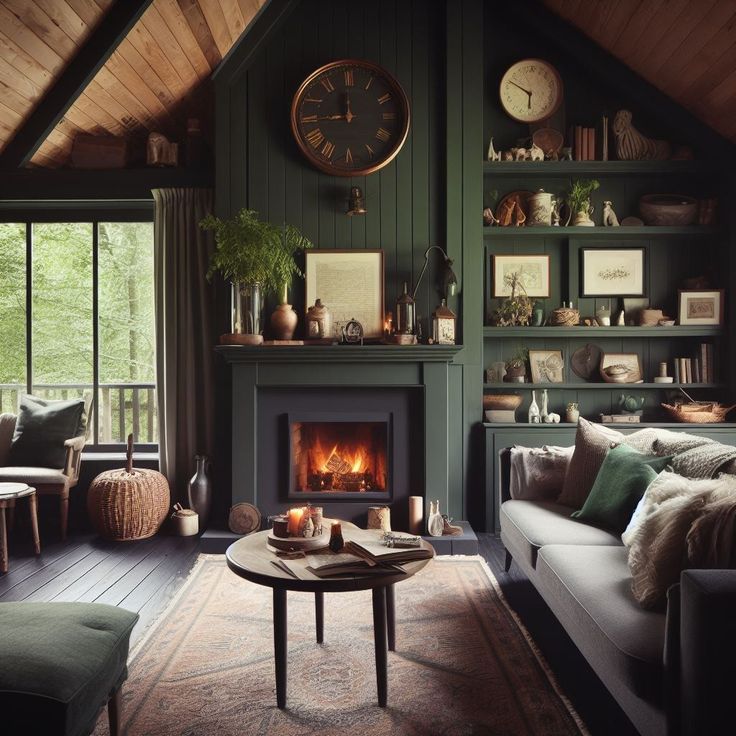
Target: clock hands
348,114
528,91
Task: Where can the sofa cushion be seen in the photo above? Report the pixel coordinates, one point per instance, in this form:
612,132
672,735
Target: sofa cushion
59,662
588,589
621,482
528,525
537,473
42,428
7,428
592,443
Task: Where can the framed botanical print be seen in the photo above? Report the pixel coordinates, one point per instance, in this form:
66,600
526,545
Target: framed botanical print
621,368
547,366
701,307
612,272
532,270
350,284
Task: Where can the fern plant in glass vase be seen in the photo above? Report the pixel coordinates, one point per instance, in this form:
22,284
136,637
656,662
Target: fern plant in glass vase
257,258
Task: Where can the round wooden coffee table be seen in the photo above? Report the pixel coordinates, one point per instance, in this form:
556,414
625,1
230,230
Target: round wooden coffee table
250,558
9,494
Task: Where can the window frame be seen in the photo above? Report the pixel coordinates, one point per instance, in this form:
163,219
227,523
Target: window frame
28,212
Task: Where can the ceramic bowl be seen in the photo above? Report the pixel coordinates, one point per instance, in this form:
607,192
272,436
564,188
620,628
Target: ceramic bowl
668,210
501,401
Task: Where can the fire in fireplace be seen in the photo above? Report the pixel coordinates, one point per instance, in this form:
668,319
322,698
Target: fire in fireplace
339,457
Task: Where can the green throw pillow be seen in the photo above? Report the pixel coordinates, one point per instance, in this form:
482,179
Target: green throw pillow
621,482
42,428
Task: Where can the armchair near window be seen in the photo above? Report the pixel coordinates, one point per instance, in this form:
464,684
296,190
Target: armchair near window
48,481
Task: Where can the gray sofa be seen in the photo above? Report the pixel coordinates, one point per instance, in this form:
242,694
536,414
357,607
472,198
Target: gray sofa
672,672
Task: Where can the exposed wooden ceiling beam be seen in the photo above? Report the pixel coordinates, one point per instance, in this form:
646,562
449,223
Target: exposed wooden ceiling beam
111,30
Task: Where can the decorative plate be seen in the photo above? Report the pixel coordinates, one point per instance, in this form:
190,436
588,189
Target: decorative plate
585,361
244,518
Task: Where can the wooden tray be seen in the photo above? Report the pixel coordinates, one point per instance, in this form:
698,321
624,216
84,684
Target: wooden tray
301,544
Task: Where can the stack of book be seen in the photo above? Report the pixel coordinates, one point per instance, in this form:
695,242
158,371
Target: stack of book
584,143
697,369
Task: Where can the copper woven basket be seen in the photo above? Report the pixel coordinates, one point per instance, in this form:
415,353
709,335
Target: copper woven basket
698,413
130,503
564,317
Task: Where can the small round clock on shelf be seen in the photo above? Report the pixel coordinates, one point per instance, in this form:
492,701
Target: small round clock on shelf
353,332
531,90
350,117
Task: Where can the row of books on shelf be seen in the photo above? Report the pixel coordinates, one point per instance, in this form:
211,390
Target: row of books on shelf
584,142
697,369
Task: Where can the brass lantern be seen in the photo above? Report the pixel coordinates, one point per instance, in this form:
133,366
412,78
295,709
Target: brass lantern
444,324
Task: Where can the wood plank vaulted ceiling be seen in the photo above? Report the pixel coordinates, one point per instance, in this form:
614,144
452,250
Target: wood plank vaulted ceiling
172,49
687,49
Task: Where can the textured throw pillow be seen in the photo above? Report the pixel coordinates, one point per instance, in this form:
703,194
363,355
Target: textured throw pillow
592,442
658,532
41,430
711,540
537,473
621,482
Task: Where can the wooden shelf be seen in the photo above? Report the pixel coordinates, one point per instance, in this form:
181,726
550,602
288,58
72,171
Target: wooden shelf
601,385
597,233
599,168
640,425
602,333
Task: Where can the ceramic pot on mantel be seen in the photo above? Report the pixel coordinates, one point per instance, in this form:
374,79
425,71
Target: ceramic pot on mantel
284,319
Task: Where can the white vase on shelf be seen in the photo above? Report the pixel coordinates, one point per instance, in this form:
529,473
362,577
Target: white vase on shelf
534,417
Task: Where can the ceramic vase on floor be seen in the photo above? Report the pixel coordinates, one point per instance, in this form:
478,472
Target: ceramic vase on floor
200,491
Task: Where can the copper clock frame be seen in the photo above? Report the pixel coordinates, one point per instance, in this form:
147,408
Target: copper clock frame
393,83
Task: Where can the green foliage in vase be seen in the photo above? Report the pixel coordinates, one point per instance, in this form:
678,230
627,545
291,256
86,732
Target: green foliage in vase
578,196
253,251
515,309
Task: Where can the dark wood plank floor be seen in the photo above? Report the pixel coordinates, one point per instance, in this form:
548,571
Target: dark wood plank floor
143,576
140,576
596,707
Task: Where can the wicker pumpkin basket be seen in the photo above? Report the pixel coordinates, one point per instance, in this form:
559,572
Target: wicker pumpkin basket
128,504
697,412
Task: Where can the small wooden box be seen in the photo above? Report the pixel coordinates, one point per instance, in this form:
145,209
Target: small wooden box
98,152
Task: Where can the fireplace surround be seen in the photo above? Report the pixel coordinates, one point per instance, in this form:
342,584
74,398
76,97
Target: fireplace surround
401,392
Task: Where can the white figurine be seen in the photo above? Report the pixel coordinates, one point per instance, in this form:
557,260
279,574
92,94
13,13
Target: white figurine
536,153
493,155
609,216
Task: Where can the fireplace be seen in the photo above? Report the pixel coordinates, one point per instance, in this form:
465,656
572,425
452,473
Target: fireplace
339,456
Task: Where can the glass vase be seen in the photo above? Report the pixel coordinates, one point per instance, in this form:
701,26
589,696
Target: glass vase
247,308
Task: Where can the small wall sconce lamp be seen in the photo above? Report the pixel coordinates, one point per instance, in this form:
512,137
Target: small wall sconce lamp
356,203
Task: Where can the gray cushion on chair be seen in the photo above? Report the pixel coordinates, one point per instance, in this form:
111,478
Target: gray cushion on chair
528,525
588,588
7,428
59,662
42,428
33,476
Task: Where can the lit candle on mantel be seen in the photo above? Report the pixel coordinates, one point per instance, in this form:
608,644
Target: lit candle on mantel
295,521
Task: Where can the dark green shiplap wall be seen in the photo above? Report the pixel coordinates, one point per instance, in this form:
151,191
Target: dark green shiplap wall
405,200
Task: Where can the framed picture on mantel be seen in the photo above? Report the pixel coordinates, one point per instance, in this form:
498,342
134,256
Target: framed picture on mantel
350,284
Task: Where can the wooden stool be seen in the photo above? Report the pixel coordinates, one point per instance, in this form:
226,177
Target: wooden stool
9,494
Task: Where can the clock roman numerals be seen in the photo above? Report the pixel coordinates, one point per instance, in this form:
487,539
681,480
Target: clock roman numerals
383,99
327,84
349,82
315,137
368,83
371,152
348,157
308,118
382,134
389,115
328,149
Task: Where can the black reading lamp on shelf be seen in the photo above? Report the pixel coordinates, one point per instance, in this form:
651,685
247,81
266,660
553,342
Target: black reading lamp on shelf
448,280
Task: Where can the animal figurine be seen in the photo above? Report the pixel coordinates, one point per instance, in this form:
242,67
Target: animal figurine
506,213
520,154
493,155
631,145
609,216
566,153
488,217
536,153
507,156
160,151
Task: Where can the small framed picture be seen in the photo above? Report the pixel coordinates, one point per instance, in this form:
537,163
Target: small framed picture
621,367
612,272
701,307
547,366
533,272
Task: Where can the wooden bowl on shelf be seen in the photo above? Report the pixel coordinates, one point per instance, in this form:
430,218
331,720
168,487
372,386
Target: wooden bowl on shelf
668,210
501,401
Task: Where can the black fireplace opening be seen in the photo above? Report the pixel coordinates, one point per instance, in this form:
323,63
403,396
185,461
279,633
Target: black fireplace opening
340,456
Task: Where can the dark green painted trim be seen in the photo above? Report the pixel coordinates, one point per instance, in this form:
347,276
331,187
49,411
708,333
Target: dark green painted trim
607,233
87,61
111,184
256,36
339,353
602,168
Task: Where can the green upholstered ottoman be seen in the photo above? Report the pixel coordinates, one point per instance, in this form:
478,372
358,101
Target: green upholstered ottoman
60,663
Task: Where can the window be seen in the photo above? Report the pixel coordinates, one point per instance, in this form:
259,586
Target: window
77,319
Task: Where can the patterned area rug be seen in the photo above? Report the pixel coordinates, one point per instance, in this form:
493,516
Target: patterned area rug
463,663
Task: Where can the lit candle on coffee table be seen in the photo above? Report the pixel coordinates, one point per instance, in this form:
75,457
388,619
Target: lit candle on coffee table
295,521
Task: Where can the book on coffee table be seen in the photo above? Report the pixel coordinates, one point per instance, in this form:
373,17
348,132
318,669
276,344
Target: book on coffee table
376,551
345,563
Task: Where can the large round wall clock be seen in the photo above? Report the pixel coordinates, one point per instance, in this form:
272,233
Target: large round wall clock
350,117
531,90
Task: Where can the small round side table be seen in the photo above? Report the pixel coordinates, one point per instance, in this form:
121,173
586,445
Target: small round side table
9,494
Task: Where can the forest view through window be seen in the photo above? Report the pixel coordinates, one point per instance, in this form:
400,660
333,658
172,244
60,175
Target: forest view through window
77,320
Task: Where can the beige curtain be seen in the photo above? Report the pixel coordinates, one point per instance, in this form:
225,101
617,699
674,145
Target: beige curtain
184,332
